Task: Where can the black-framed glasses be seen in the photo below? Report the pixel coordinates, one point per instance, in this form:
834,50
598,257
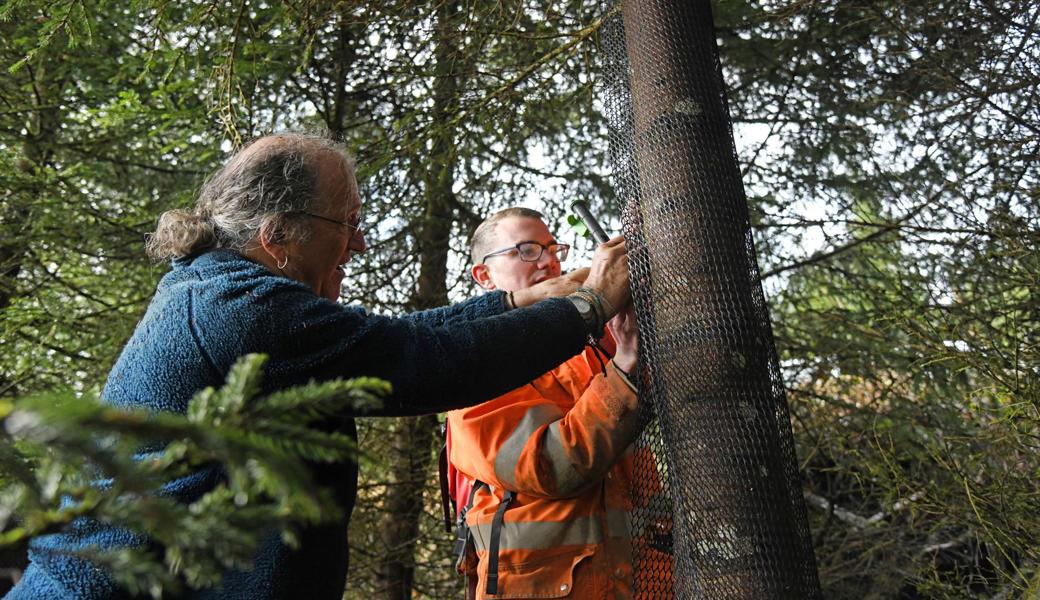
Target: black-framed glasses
354,223
531,251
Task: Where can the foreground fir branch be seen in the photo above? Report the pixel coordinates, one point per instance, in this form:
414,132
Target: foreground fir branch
63,457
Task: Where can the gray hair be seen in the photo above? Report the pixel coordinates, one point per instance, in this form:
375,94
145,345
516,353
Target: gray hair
265,187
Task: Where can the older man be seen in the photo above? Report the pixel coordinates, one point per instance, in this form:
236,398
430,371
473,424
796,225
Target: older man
545,473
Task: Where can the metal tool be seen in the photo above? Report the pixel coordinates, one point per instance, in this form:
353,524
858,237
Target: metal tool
582,210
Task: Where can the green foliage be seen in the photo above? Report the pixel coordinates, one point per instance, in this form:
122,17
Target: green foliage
64,456
899,251
93,147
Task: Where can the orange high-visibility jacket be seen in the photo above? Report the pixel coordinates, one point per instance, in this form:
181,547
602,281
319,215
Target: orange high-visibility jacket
559,445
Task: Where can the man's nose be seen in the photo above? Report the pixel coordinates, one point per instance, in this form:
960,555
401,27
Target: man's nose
547,259
358,243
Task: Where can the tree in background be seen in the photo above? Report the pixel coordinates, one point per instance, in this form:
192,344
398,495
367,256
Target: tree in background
897,193
90,147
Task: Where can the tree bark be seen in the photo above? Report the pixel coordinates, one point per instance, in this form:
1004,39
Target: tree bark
413,438
740,529
41,129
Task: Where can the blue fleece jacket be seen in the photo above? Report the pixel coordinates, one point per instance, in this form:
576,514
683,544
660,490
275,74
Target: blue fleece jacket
214,308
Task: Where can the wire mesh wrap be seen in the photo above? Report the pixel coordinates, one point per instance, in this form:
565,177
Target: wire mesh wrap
718,507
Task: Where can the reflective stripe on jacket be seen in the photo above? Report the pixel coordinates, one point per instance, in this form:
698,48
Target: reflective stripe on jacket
560,443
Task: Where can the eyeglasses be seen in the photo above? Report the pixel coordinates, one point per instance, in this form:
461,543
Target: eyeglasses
532,251
354,223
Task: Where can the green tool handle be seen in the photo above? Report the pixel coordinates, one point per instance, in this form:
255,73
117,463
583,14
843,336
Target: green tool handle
582,210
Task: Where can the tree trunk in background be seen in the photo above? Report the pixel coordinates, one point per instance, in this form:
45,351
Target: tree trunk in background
15,227
403,504
413,437
15,212
11,255
343,105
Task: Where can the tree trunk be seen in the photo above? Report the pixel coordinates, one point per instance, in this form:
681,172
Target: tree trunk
740,529
413,438
15,229
403,504
12,253
41,130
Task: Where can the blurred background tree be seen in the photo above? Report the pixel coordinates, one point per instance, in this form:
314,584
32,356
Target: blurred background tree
894,181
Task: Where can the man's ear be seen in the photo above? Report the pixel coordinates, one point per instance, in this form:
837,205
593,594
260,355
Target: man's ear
482,276
271,244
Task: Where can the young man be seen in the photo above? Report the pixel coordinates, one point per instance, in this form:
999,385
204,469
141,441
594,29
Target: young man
542,472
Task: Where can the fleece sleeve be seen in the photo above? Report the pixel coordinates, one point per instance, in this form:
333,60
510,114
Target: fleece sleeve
432,367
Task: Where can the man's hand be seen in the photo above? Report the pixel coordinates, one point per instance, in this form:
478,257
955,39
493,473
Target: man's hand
609,274
551,288
626,333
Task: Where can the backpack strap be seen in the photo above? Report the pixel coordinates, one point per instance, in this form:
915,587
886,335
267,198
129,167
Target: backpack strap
496,536
446,503
463,538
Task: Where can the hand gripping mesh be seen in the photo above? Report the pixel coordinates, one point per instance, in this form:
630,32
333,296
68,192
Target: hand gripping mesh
718,507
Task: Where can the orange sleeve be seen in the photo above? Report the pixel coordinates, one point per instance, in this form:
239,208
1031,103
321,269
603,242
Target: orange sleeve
525,442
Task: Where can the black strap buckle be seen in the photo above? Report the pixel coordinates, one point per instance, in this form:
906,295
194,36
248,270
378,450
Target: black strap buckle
463,539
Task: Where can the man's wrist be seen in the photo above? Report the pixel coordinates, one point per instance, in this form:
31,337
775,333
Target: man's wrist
606,309
589,312
522,298
626,361
625,376
590,303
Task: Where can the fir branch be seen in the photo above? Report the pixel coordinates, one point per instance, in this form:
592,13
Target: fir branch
65,458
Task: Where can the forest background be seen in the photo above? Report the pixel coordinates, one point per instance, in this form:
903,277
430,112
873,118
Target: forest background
890,154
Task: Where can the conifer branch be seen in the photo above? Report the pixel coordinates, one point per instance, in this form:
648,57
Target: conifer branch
65,458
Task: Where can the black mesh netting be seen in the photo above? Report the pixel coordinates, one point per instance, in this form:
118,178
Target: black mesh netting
718,504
